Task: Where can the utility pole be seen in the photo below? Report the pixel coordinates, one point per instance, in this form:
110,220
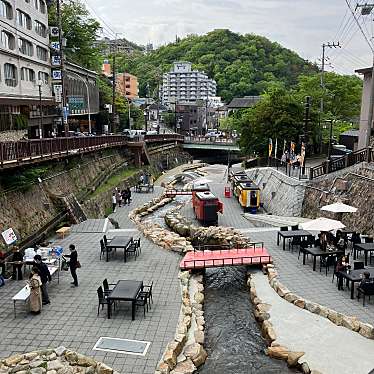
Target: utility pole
41,111
305,130
114,88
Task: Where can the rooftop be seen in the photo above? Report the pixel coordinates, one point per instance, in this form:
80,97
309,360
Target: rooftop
243,102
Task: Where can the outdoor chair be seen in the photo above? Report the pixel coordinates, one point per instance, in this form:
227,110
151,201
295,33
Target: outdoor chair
284,228
368,240
106,240
366,289
294,228
106,285
147,293
141,301
326,262
134,247
302,247
358,265
103,248
103,300
296,241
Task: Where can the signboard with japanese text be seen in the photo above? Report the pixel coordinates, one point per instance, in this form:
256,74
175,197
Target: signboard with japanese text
56,60
55,46
56,75
9,236
57,89
55,32
76,103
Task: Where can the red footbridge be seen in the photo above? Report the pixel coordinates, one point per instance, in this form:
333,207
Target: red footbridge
254,255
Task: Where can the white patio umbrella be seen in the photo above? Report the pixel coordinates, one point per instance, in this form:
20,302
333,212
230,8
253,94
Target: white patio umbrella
322,224
339,208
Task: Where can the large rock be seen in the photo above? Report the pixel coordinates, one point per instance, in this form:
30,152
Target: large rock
199,297
366,330
335,317
278,352
14,360
103,369
196,353
351,323
312,307
282,290
170,358
293,358
300,303
263,307
163,368
199,337
291,297
184,367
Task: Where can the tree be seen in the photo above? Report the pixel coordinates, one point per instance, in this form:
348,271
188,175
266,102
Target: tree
80,32
279,115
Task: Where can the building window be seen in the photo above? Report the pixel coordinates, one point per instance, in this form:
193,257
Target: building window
42,53
7,40
43,77
40,29
42,7
23,19
10,75
27,75
36,4
25,47
5,9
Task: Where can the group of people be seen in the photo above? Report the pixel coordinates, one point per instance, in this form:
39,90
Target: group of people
327,240
120,198
39,276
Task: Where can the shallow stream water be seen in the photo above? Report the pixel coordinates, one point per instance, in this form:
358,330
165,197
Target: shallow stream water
233,340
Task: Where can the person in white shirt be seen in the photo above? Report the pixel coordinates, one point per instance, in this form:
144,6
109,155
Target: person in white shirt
114,201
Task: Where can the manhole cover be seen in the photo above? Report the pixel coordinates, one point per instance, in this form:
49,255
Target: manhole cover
125,346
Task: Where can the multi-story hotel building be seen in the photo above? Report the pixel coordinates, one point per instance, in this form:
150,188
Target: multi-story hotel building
24,65
183,84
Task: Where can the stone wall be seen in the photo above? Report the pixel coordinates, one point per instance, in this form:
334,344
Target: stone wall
280,194
353,186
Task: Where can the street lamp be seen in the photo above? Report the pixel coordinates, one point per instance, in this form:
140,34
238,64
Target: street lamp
88,99
40,82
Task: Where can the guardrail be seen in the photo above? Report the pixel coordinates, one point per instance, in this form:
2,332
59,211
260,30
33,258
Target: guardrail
330,166
209,140
291,170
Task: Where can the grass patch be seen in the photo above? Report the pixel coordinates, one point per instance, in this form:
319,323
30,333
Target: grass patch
115,180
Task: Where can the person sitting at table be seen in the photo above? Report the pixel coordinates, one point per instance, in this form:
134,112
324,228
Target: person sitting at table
35,291
342,265
365,279
17,260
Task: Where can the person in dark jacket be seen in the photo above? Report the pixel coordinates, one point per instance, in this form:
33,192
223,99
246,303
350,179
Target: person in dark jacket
45,277
73,264
17,260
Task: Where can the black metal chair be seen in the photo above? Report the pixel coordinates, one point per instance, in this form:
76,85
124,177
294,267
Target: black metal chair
366,289
303,245
284,228
358,265
295,227
103,300
106,240
296,241
141,301
134,248
326,262
103,249
106,285
147,293
368,240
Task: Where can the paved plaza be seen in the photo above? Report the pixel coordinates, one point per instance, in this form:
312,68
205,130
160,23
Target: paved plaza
71,319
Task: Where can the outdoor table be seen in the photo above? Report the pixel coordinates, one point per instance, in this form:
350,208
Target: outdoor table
125,290
291,234
317,252
366,247
119,242
354,276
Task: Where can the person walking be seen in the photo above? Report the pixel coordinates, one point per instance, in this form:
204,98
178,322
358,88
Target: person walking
45,277
35,291
114,202
73,264
128,195
119,198
17,260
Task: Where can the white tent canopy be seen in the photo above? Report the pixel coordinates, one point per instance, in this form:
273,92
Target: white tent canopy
339,208
322,224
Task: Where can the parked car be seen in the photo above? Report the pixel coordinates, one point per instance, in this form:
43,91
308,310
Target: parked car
133,133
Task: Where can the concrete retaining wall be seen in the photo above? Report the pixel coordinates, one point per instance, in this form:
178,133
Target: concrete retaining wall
280,194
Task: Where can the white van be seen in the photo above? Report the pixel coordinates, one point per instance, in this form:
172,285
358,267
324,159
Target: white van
133,133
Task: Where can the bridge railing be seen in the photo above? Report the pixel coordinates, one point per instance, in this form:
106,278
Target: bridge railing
47,148
163,138
210,140
291,170
330,166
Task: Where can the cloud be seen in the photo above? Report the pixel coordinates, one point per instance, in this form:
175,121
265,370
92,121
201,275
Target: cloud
300,25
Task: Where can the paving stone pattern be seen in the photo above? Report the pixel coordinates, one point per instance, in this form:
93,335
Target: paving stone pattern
71,318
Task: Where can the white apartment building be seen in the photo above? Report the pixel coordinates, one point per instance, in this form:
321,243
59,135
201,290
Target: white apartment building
183,84
24,60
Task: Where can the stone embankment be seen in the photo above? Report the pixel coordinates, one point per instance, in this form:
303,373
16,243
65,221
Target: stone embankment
262,314
339,319
53,361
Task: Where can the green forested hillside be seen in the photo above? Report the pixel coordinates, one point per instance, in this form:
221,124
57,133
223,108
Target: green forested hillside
241,64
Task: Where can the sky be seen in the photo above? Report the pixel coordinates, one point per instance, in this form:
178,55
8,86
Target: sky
300,25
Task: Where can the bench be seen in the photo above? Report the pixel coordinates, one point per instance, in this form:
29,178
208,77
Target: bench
62,232
24,293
